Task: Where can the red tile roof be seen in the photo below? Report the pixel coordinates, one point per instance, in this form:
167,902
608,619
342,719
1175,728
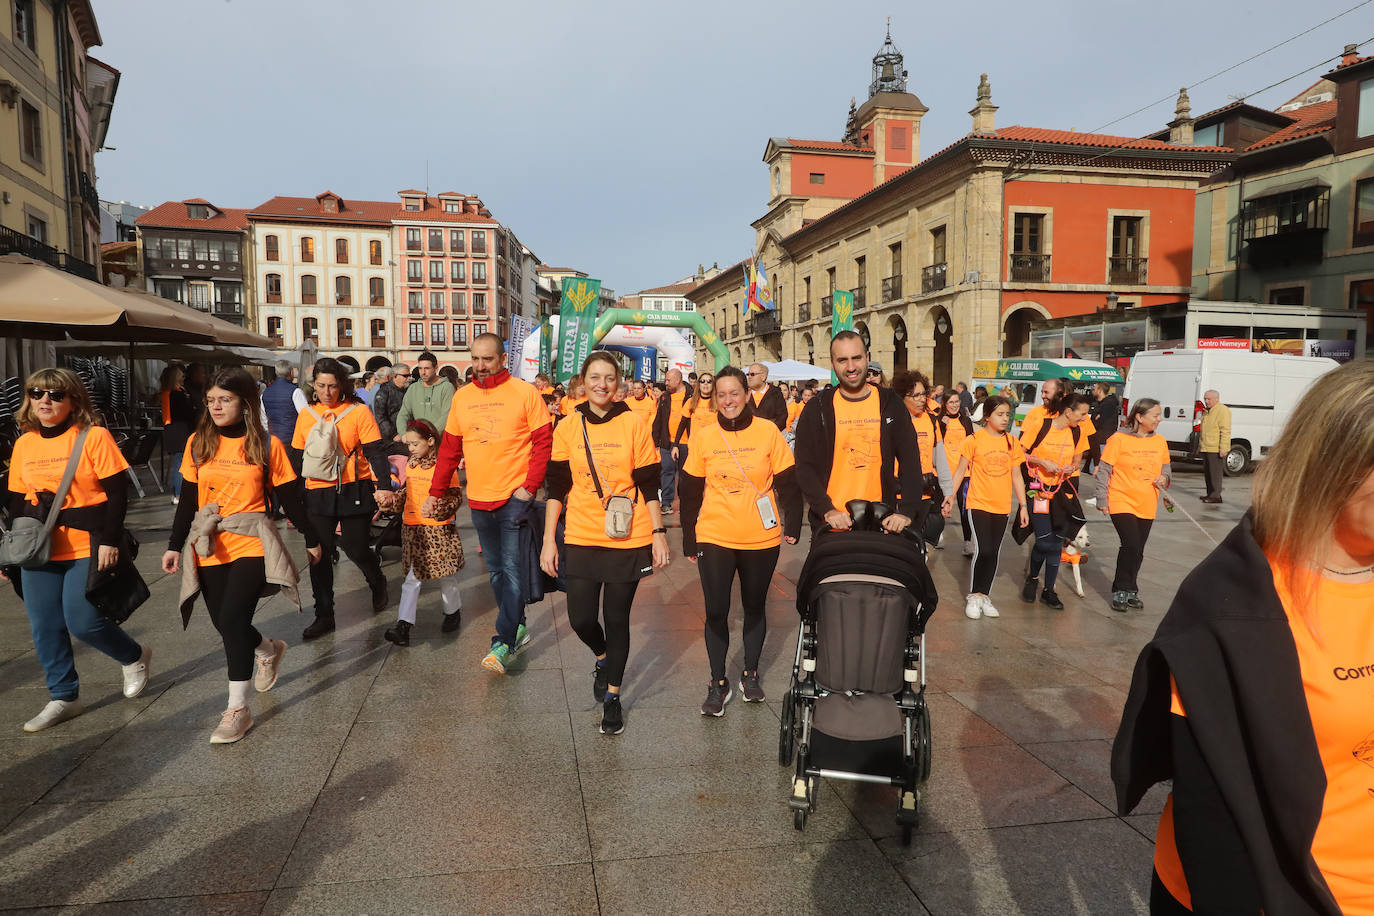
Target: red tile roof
411,192
377,212
1309,121
432,211
174,214
1074,138
828,146
1353,63
676,289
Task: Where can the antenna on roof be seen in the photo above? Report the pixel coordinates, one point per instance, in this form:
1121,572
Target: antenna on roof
426,177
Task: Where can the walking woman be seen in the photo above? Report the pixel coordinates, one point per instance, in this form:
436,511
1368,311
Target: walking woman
1054,451
1132,472
430,547
604,469
235,555
912,386
991,460
178,415
955,427
738,475
698,412
344,462
56,416
1254,695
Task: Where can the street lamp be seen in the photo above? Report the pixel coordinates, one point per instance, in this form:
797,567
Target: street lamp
1112,299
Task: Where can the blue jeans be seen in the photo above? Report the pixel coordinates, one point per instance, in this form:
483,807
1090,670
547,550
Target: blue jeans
668,476
176,474
498,531
1047,549
55,600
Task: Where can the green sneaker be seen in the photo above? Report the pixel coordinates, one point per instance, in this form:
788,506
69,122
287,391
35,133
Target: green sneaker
497,659
522,638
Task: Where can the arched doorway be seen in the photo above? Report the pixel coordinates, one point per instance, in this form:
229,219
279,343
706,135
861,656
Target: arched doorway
1017,324
898,328
376,363
738,356
350,361
861,329
753,354
942,357
809,345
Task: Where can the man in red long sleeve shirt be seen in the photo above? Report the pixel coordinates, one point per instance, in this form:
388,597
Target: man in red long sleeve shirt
501,424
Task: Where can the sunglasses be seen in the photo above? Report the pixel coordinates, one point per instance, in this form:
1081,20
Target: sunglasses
56,395
874,372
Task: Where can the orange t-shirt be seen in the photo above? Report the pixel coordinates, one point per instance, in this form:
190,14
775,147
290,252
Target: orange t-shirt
418,480
568,404
702,418
927,435
1136,461
794,409
37,464
619,445
729,517
857,470
677,402
497,425
644,408
356,429
1057,446
953,442
992,458
236,485
1039,415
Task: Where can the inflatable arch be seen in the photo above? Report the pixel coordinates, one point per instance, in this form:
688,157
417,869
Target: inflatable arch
633,330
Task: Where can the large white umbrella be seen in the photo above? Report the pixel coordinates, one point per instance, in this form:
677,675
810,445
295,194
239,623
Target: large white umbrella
794,370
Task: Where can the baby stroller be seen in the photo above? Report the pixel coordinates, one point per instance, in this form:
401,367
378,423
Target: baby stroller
856,707
385,530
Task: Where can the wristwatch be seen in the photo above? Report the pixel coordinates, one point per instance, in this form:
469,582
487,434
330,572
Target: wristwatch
660,531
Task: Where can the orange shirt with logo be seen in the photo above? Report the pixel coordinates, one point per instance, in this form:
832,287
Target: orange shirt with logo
677,403
418,480
644,408
1136,461
229,480
927,435
356,429
619,445
1038,415
729,517
992,458
1057,446
37,464
497,425
794,409
857,469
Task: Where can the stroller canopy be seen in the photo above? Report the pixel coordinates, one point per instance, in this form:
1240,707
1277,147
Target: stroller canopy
871,553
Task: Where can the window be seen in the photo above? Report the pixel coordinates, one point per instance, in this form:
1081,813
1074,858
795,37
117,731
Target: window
344,326
479,271
200,249
412,239
31,134
374,252
458,271
895,258
417,334
171,289
37,228
479,242
436,271
270,248
1300,210
412,205
415,271
1027,229
216,250
436,302
436,333
460,334
1208,136
830,281
1126,236
937,247
415,304
197,211
860,281
231,252
1364,123
1364,212
455,241
228,298
274,327
307,248
183,249
479,303
436,240
1287,295
376,291
310,329
274,287
1362,299
341,251
199,298
378,328
818,178
478,330
343,291
24,31
896,138
452,206
308,291
460,306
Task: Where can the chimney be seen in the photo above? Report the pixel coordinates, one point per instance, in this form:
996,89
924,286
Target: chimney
1181,127
1350,55
983,112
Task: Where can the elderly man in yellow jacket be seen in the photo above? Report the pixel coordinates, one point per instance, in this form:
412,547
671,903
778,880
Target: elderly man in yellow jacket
1214,444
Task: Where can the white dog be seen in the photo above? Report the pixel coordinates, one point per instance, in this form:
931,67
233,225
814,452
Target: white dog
1072,555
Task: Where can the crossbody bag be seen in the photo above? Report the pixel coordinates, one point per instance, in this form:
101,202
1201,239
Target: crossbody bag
763,504
619,509
28,542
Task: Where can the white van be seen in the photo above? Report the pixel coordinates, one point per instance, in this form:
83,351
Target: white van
1260,388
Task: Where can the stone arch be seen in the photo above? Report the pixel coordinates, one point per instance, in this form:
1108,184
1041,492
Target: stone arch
861,328
933,345
1017,322
808,354
738,357
753,355
377,362
896,332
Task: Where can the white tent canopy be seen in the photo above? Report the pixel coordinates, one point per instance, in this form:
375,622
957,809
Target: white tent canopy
793,370
669,343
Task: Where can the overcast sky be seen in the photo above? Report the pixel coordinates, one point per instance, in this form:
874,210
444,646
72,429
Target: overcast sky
625,138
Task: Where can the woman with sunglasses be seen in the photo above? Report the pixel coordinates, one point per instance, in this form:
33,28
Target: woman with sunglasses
955,427
89,527
699,412
875,375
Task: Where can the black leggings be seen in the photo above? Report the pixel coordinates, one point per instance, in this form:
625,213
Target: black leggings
963,511
1163,903
353,540
1134,532
231,593
988,529
718,567
1047,549
586,606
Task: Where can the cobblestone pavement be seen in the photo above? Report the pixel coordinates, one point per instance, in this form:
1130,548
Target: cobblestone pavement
382,780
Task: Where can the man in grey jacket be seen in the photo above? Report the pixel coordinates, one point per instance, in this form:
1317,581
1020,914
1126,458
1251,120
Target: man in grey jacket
427,399
386,401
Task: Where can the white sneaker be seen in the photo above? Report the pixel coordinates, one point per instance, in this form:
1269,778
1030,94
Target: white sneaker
1091,501
973,608
988,609
56,711
265,678
968,548
136,675
233,725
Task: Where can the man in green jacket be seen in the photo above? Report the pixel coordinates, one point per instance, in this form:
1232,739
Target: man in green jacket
428,399
1215,443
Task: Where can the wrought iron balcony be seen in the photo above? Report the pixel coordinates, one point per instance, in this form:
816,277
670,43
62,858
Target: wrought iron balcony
734,329
88,194
766,323
892,288
860,299
1131,271
12,241
934,277
1030,268
804,311
827,306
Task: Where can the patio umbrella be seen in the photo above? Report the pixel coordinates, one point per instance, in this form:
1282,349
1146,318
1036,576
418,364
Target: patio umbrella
222,332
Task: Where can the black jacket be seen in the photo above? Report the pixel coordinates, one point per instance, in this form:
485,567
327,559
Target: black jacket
1248,778
1106,417
663,436
901,459
773,407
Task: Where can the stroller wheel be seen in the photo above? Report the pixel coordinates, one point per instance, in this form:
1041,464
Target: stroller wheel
799,819
922,741
906,834
787,743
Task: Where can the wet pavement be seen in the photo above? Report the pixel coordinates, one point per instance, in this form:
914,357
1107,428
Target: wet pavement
386,780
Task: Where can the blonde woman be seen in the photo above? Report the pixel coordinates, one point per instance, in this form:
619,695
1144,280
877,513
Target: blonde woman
1254,696
56,412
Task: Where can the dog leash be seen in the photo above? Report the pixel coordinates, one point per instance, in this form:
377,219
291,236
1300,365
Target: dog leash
1172,502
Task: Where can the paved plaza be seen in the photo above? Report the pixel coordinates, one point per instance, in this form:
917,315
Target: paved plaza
386,780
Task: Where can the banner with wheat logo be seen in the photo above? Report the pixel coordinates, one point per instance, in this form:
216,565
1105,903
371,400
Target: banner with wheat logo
576,318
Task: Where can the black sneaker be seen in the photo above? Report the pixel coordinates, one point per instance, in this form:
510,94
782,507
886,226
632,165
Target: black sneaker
1029,590
750,688
323,624
451,621
599,683
612,718
399,634
1133,601
1119,602
1049,599
717,695
379,599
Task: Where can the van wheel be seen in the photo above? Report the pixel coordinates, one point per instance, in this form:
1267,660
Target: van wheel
1237,460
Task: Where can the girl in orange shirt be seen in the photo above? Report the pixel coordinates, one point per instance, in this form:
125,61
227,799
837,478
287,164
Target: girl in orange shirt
1053,458
698,412
233,462
56,409
955,427
1133,470
178,414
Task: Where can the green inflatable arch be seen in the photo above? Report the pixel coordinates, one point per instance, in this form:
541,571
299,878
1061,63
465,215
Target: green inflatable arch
644,318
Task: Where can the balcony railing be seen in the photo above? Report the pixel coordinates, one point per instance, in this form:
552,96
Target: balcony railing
766,323
804,311
12,241
860,298
934,277
1131,271
379,343
88,193
225,307
892,288
827,306
479,247
734,329
1030,268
